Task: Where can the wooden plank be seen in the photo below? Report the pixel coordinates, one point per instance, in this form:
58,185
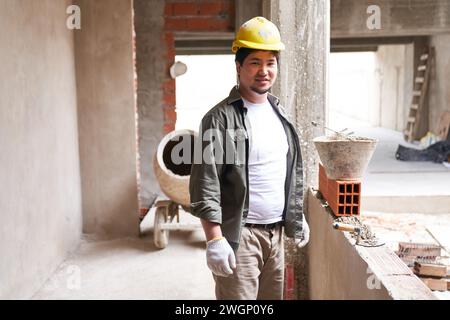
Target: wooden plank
435,284
432,270
448,284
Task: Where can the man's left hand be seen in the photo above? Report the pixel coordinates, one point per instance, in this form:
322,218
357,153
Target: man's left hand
303,241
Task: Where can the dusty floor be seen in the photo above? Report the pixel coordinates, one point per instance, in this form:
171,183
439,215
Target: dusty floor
133,268
387,176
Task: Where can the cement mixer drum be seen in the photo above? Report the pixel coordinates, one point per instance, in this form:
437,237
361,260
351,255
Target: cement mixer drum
172,165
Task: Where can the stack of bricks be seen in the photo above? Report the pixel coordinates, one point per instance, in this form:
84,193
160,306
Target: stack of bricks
343,196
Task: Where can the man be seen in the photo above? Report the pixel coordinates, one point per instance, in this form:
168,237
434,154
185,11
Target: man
248,187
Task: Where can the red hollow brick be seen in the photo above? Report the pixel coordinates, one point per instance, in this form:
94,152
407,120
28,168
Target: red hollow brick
343,197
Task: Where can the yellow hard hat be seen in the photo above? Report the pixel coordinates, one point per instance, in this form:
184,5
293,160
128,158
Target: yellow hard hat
258,33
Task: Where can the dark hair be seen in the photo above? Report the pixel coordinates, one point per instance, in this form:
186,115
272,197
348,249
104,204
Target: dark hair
242,53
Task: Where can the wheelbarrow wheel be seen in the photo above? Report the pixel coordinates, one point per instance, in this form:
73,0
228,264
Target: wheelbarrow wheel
160,237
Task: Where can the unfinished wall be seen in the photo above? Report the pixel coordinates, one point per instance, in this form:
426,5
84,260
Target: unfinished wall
339,270
439,90
40,205
106,113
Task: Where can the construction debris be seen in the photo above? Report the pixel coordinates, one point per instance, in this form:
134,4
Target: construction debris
411,252
426,262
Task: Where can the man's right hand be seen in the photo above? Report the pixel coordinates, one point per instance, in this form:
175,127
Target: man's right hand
220,257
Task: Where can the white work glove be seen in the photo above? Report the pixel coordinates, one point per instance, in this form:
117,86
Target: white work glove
303,241
220,257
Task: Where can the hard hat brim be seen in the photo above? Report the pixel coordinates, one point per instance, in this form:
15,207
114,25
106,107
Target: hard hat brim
258,46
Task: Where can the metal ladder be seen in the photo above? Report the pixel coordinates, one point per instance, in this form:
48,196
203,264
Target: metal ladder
420,88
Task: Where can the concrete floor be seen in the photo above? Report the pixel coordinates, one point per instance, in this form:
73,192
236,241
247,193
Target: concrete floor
133,268
402,186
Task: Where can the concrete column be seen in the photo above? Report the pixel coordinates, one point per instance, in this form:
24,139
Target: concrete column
151,72
302,88
106,114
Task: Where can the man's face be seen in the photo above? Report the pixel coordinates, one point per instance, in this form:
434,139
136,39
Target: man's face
258,72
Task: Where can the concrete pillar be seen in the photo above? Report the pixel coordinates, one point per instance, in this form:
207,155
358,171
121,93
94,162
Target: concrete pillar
106,114
302,88
151,53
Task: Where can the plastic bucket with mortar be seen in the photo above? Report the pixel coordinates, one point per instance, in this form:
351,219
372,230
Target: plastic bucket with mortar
345,158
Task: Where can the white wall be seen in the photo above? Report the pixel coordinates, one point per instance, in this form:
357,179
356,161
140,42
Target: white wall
394,65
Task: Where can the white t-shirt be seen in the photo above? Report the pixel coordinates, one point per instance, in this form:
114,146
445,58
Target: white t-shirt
266,164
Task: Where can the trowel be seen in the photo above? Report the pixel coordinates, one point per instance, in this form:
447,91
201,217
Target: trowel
357,230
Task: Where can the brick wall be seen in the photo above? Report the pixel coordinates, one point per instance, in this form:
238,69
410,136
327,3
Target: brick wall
199,15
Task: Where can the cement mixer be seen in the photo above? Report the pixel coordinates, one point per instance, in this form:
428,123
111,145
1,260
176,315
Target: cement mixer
172,168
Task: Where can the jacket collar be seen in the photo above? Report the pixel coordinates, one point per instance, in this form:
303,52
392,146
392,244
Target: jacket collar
235,96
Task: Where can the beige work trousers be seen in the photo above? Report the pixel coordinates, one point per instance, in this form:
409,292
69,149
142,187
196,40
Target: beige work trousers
259,272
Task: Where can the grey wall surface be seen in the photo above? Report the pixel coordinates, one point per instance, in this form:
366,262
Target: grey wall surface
439,90
150,67
40,196
398,18
395,85
106,114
